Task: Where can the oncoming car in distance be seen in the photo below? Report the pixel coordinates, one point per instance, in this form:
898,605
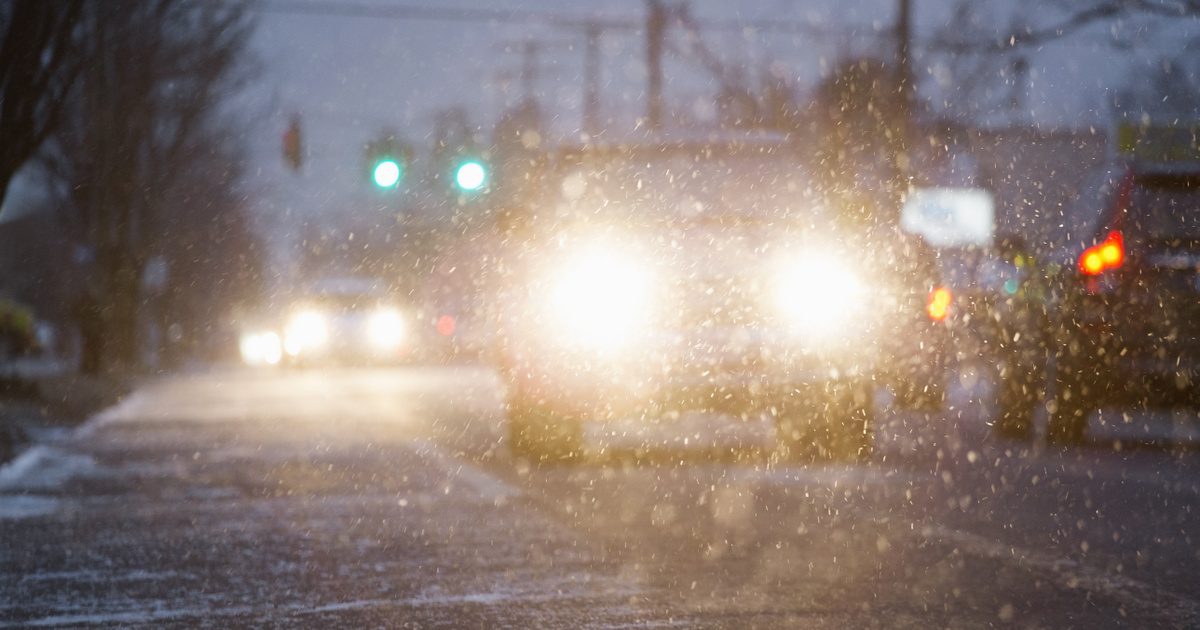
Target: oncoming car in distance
260,346
345,321
666,277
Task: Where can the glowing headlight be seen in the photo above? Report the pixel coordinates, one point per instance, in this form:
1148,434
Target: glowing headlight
819,294
385,329
306,330
599,299
262,347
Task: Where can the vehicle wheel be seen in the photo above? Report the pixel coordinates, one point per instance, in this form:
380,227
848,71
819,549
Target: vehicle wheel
838,424
1073,403
541,435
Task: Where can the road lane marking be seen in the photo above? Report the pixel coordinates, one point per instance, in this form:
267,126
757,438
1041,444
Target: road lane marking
1072,574
114,413
21,506
1118,472
156,614
827,476
489,487
93,575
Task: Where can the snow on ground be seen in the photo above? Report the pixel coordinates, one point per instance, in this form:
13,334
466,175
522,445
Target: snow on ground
370,497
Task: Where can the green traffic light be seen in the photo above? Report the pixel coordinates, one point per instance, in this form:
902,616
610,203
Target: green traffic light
387,173
470,175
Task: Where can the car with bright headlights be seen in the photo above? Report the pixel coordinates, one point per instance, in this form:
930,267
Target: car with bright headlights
659,277
346,320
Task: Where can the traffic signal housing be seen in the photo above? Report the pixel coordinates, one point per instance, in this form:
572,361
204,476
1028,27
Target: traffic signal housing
387,161
293,148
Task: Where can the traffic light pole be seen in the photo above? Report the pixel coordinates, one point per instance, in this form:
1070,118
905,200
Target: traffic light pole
591,80
656,28
906,84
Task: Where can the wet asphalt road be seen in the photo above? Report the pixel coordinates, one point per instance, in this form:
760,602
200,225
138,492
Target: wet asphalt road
387,498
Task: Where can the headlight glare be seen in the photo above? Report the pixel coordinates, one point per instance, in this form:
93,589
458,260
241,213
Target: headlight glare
819,294
599,299
261,348
386,329
306,330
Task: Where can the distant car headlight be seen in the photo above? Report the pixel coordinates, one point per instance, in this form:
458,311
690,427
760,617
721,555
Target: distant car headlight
306,330
599,299
819,295
260,348
386,329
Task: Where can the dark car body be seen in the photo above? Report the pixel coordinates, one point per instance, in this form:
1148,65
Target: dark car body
1128,326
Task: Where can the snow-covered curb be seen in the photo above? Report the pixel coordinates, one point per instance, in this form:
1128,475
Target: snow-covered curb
34,453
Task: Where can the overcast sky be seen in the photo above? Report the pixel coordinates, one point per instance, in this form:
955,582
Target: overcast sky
349,77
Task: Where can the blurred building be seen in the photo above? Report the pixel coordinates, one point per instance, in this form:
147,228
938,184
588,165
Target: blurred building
1033,173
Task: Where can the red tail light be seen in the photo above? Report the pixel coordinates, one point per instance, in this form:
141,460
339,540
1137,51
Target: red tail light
446,325
1109,254
939,303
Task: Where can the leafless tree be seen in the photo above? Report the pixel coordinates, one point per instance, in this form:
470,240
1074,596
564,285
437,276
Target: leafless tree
39,60
984,47
148,111
858,135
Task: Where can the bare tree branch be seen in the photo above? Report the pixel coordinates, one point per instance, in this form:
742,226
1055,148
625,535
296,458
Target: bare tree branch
128,156
1079,16
39,59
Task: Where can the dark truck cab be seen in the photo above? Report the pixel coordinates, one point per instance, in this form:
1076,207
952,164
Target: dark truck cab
666,276
1128,325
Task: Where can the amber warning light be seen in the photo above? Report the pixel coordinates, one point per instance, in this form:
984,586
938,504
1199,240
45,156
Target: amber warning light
939,303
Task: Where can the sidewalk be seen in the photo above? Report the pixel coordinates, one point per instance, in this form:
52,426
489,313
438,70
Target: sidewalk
43,400
34,368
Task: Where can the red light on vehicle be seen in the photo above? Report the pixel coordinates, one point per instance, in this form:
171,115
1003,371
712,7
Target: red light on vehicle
446,325
1091,262
939,303
1110,254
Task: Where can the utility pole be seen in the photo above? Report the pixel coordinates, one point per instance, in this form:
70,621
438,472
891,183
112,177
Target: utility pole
1020,84
532,69
656,27
529,68
906,85
903,60
591,79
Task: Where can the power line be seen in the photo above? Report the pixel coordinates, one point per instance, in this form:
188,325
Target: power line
526,17
410,12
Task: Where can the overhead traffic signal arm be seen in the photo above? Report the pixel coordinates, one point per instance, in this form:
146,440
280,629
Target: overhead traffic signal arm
293,154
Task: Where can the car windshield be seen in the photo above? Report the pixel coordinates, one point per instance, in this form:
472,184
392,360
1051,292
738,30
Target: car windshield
694,186
611,314
344,302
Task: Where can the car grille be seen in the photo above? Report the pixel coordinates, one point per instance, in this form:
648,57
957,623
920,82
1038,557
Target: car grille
718,303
